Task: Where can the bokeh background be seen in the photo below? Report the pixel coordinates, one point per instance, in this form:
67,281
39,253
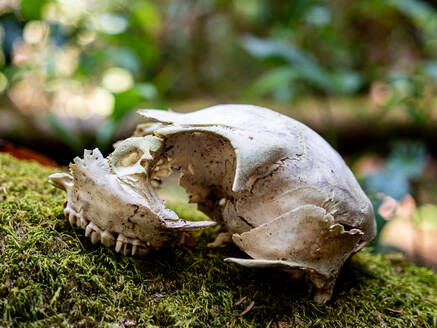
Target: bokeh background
362,73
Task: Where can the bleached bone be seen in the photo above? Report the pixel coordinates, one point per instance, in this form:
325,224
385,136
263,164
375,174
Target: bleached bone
112,199
288,199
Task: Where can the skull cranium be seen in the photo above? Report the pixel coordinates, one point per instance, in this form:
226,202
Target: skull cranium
286,197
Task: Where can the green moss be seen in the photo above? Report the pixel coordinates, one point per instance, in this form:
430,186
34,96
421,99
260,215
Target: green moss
50,274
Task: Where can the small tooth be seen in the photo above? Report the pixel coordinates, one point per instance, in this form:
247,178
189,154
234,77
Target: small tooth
134,249
72,218
95,237
138,242
118,246
122,238
94,227
126,249
83,223
107,238
88,230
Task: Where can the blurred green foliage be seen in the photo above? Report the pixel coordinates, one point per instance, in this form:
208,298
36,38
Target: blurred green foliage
244,50
404,165
275,48
426,216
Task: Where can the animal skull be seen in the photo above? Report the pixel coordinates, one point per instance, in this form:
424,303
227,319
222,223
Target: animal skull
112,199
286,197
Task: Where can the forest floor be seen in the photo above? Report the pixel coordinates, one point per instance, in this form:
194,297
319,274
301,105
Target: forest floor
51,275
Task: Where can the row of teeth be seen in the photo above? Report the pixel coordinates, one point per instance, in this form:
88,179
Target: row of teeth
123,244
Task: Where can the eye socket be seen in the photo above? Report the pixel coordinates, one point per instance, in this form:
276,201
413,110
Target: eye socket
130,158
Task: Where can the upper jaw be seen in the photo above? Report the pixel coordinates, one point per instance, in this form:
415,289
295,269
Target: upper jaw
117,207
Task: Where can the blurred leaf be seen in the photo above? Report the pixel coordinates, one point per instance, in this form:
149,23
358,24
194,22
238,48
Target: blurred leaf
420,11
148,16
90,63
110,23
125,102
105,134
406,162
422,14
268,48
31,9
385,249
402,84
128,100
125,58
426,217
146,50
11,32
250,9
70,138
301,66
390,182
345,82
58,34
431,69
318,15
146,90
408,157
270,81
341,82
418,115
283,93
